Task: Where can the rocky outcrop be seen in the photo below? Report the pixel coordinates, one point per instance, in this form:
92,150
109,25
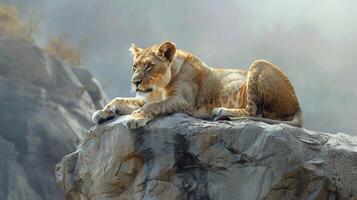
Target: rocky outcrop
46,107
180,157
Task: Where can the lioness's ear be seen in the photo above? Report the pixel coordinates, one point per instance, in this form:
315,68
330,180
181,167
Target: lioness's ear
167,50
134,50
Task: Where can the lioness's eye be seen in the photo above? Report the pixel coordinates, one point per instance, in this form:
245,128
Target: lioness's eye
149,66
134,67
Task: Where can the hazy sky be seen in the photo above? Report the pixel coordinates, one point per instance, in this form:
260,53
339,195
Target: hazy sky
313,41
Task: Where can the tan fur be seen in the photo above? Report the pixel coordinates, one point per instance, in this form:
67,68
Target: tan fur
168,80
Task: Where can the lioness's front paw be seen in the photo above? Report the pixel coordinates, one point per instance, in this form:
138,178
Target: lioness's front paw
135,120
220,114
101,116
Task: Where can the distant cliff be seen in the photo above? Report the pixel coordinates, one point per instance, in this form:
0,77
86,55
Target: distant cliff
183,158
45,108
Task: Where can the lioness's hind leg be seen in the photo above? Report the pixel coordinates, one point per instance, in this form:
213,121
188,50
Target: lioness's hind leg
225,113
249,111
252,96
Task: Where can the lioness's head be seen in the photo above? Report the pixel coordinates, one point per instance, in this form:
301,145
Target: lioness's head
151,66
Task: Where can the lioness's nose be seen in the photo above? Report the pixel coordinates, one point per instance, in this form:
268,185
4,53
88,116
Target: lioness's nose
137,81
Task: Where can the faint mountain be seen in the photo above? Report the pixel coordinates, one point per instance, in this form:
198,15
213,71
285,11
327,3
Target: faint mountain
45,110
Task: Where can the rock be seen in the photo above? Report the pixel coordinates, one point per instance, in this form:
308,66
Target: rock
180,157
46,108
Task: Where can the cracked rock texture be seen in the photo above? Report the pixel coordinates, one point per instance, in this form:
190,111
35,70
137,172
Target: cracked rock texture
180,157
45,109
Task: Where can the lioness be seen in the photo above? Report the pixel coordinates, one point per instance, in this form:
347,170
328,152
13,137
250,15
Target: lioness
168,80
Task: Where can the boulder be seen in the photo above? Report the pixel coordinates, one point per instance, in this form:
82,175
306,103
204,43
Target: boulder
184,158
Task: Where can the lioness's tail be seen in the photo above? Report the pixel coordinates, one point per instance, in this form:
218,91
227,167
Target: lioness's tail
297,121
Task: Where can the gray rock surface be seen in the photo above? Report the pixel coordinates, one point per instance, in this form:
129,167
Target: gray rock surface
180,157
45,108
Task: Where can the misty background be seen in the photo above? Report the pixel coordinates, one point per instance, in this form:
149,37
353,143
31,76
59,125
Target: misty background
313,41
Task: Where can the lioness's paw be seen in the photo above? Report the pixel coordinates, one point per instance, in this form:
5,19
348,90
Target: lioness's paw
135,120
220,114
116,109
101,116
